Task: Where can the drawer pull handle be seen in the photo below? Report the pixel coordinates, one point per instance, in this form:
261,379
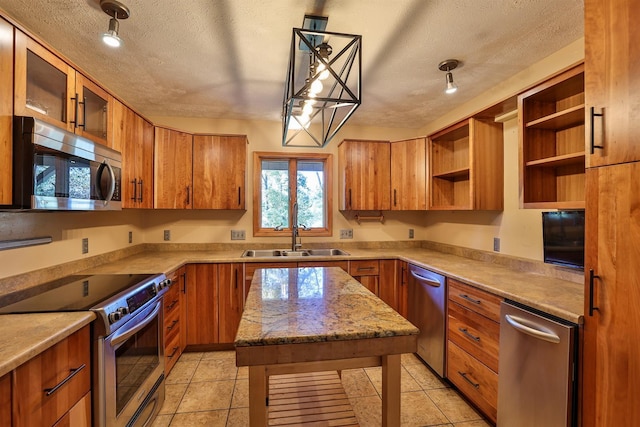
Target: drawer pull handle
464,375
365,268
73,373
468,298
173,353
172,325
469,335
173,304
592,138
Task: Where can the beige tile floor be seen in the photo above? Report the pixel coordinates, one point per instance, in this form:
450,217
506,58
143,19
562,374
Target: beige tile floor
207,389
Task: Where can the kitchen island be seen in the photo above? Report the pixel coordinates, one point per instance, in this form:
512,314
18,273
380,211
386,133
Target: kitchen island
319,319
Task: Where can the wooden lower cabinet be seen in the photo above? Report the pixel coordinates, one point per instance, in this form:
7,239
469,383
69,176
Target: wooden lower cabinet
173,320
402,279
5,400
230,301
388,286
79,415
366,272
473,338
41,396
202,304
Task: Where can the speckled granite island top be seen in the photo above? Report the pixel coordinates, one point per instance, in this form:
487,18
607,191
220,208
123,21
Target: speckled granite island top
305,305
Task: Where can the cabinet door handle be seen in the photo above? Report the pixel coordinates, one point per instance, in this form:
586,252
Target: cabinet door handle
464,375
466,332
135,189
84,114
592,277
592,117
349,198
188,195
140,184
235,279
172,325
239,196
75,114
173,353
468,298
73,373
184,283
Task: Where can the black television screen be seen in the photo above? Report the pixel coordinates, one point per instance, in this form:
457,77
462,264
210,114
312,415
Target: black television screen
563,238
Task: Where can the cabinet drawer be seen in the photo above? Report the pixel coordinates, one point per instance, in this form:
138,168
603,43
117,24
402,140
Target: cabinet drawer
473,379
474,333
172,300
172,352
475,299
51,383
364,268
172,325
79,415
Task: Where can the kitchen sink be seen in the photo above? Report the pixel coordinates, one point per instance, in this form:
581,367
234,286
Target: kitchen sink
267,253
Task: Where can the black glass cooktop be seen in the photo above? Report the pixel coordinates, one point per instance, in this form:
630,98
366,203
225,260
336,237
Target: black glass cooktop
75,293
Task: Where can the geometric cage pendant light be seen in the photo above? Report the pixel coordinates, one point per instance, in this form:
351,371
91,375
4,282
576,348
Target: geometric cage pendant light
322,88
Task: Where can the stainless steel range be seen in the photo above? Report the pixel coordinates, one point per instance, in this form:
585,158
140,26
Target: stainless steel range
128,350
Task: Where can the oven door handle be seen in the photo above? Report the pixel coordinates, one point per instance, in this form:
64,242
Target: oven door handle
123,336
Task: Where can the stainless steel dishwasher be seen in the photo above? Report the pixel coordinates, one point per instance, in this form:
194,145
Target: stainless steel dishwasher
426,310
537,381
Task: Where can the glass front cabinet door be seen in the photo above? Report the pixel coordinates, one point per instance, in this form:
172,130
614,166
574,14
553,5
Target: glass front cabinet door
49,89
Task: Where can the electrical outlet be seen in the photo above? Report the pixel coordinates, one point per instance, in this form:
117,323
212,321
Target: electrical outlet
238,235
131,237
496,244
167,235
346,233
85,245
411,233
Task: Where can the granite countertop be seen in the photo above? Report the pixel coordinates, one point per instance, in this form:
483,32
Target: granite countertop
558,297
24,336
293,306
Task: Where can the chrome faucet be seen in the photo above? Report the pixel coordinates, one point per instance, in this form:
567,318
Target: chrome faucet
294,229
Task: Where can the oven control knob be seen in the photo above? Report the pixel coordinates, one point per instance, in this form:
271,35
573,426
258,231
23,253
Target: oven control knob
123,311
164,284
114,317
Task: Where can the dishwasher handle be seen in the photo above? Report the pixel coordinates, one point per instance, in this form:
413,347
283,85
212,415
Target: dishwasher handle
529,328
426,280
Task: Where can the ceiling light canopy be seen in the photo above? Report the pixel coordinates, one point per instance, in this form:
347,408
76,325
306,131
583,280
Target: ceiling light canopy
448,65
322,89
115,10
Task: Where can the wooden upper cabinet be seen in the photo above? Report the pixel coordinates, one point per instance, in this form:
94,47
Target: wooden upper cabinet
134,137
6,112
172,171
364,175
219,171
49,89
551,124
611,355
466,167
408,175
612,81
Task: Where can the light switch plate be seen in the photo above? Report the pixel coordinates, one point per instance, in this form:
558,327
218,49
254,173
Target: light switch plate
167,235
85,245
496,244
346,233
411,233
131,237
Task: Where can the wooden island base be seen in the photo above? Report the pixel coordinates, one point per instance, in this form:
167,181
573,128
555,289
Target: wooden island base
259,384
309,399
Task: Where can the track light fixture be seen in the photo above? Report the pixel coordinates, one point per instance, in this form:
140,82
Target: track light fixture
115,10
448,65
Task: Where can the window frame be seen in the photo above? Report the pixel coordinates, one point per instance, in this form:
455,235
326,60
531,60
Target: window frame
292,158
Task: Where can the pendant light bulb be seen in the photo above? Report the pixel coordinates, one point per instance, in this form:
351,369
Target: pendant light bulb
110,38
451,86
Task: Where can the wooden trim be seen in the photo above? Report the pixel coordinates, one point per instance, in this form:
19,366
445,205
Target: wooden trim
6,113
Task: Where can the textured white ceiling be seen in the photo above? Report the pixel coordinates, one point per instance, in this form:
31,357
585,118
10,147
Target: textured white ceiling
228,58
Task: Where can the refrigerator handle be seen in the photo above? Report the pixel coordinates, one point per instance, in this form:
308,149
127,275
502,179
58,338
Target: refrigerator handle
527,327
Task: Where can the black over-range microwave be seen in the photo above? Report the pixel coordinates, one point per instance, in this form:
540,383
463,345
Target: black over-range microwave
57,170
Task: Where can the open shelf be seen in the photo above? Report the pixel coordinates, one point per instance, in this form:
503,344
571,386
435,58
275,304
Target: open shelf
453,174
552,172
564,119
555,161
